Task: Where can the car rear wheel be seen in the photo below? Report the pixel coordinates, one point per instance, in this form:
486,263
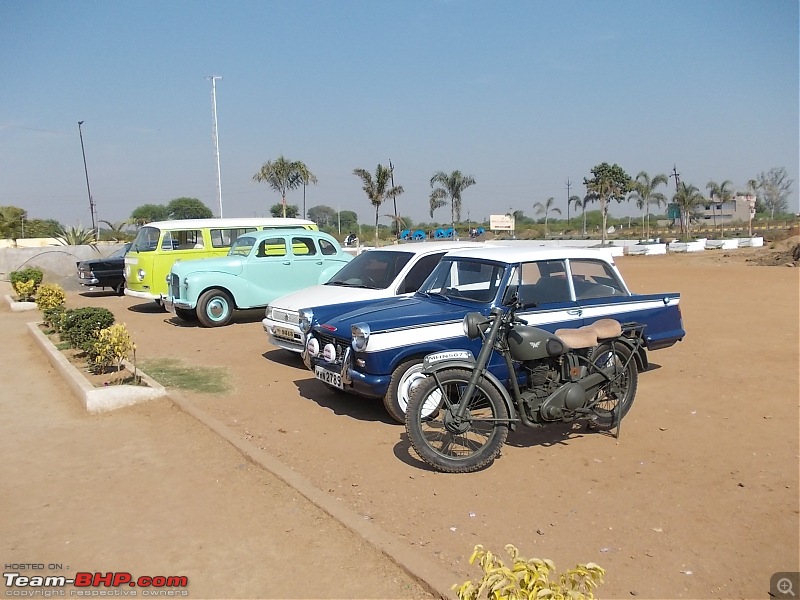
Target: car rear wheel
215,308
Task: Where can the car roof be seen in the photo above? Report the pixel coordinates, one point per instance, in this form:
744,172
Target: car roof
428,247
262,233
524,253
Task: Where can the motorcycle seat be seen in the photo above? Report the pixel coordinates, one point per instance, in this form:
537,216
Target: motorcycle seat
583,337
605,329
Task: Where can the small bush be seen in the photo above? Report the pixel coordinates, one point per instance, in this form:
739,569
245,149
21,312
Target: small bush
54,317
80,326
18,278
528,579
25,290
112,346
50,295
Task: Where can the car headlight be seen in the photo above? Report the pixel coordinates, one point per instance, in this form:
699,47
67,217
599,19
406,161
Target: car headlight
312,347
268,313
360,332
306,319
140,274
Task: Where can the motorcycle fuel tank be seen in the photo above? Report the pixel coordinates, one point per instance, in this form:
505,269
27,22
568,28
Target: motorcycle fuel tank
532,343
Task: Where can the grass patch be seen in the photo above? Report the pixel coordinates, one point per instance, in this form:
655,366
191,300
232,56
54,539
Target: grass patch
63,346
170,372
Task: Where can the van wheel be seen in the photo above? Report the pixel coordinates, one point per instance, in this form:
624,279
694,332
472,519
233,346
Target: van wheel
404,377
215,308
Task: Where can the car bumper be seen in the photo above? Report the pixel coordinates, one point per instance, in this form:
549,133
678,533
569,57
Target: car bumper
283,335
142,295
171,304
364,384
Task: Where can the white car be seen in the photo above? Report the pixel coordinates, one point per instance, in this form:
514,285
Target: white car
372,275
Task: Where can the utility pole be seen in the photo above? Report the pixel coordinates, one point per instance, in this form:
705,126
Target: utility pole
213,79
677,177
92,209
568,200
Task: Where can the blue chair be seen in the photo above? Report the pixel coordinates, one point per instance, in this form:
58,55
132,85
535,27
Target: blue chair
419,235
405,234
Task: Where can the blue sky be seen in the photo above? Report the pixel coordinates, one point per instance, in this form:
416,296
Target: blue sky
521,95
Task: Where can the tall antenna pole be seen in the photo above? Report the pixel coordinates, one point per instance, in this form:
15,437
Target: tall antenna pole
213,79
88,190
568,199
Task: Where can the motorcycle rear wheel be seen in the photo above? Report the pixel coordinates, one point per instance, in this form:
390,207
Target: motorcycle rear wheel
614,399
456,449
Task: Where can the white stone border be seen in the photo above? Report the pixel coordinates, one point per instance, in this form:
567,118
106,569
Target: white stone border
97,399
19,306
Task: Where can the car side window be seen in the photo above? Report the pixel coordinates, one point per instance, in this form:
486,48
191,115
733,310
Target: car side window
303,246
594,279
327,248
419,273
271,247
546,281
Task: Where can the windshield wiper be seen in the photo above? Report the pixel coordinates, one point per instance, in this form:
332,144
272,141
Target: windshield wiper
436,294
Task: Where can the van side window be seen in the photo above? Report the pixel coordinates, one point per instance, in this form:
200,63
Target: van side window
303,246
271,247
223,238
327,248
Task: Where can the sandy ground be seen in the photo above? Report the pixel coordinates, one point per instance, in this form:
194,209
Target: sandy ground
697,499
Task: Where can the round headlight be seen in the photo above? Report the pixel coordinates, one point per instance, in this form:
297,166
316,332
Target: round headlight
306,319
329,353
140,274
268,313
312,346
360,332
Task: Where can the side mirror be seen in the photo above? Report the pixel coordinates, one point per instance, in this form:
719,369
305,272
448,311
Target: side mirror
511,296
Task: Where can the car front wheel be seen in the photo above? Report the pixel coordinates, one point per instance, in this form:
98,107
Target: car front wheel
215,308
404,377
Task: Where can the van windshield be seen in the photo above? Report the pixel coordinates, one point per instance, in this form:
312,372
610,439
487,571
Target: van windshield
242,246
146,240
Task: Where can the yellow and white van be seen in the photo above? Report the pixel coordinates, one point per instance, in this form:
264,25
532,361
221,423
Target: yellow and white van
160,243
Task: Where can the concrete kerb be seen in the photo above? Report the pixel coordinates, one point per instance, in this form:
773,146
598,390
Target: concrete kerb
434,578
97,399
19,306
437,580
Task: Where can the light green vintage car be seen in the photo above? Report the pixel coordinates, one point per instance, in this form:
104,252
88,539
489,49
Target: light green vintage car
259,267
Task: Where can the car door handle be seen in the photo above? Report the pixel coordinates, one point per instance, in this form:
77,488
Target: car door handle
319,262
287,262
577,312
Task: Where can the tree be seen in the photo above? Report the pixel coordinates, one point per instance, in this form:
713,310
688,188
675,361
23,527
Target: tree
323,216
291,211
11,222
147,213
450,188
575,201
687,198
41,228
643,192
283,175
608,182
723,193
545,209
775,188
348,220
117,228
376,189
188,208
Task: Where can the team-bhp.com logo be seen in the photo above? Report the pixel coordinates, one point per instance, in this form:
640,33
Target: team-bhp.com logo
90,584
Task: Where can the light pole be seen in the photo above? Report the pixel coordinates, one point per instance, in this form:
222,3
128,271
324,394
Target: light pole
213,79
88,190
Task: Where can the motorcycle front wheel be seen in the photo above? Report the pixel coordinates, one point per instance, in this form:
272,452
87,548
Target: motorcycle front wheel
615,398
445,443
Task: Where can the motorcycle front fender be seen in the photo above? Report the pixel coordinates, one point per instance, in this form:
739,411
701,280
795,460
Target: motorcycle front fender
463,359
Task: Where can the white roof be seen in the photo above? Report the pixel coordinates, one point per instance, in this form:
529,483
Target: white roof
515,254
228,223
431,246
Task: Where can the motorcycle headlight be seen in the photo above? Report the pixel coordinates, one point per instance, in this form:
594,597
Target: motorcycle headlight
473,324
360,332
306,319
140,274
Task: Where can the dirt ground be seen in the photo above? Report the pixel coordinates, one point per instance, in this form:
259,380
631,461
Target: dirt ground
697,499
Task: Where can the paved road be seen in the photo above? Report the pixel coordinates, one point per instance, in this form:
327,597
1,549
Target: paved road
150,491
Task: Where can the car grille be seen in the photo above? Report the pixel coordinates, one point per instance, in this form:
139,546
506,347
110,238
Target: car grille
174,286
286,316
338,344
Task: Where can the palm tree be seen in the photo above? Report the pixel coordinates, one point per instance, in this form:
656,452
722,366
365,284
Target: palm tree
283,175
575,201
546,208
687,198
376,189
644,193
450,187
723,193
117,228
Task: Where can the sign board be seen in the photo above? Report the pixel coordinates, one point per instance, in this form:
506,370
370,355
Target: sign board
501,222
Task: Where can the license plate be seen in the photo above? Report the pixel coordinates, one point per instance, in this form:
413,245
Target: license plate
283,332
328,377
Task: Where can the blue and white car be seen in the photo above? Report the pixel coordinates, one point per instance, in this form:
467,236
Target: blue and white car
377,349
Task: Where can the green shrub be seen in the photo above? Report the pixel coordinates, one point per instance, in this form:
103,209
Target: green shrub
54,317
528,579
19,278
112,346
81,325
50,295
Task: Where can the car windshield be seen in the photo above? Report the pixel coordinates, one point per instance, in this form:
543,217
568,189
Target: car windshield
146,240
373,269
242,246
464,279
120,252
